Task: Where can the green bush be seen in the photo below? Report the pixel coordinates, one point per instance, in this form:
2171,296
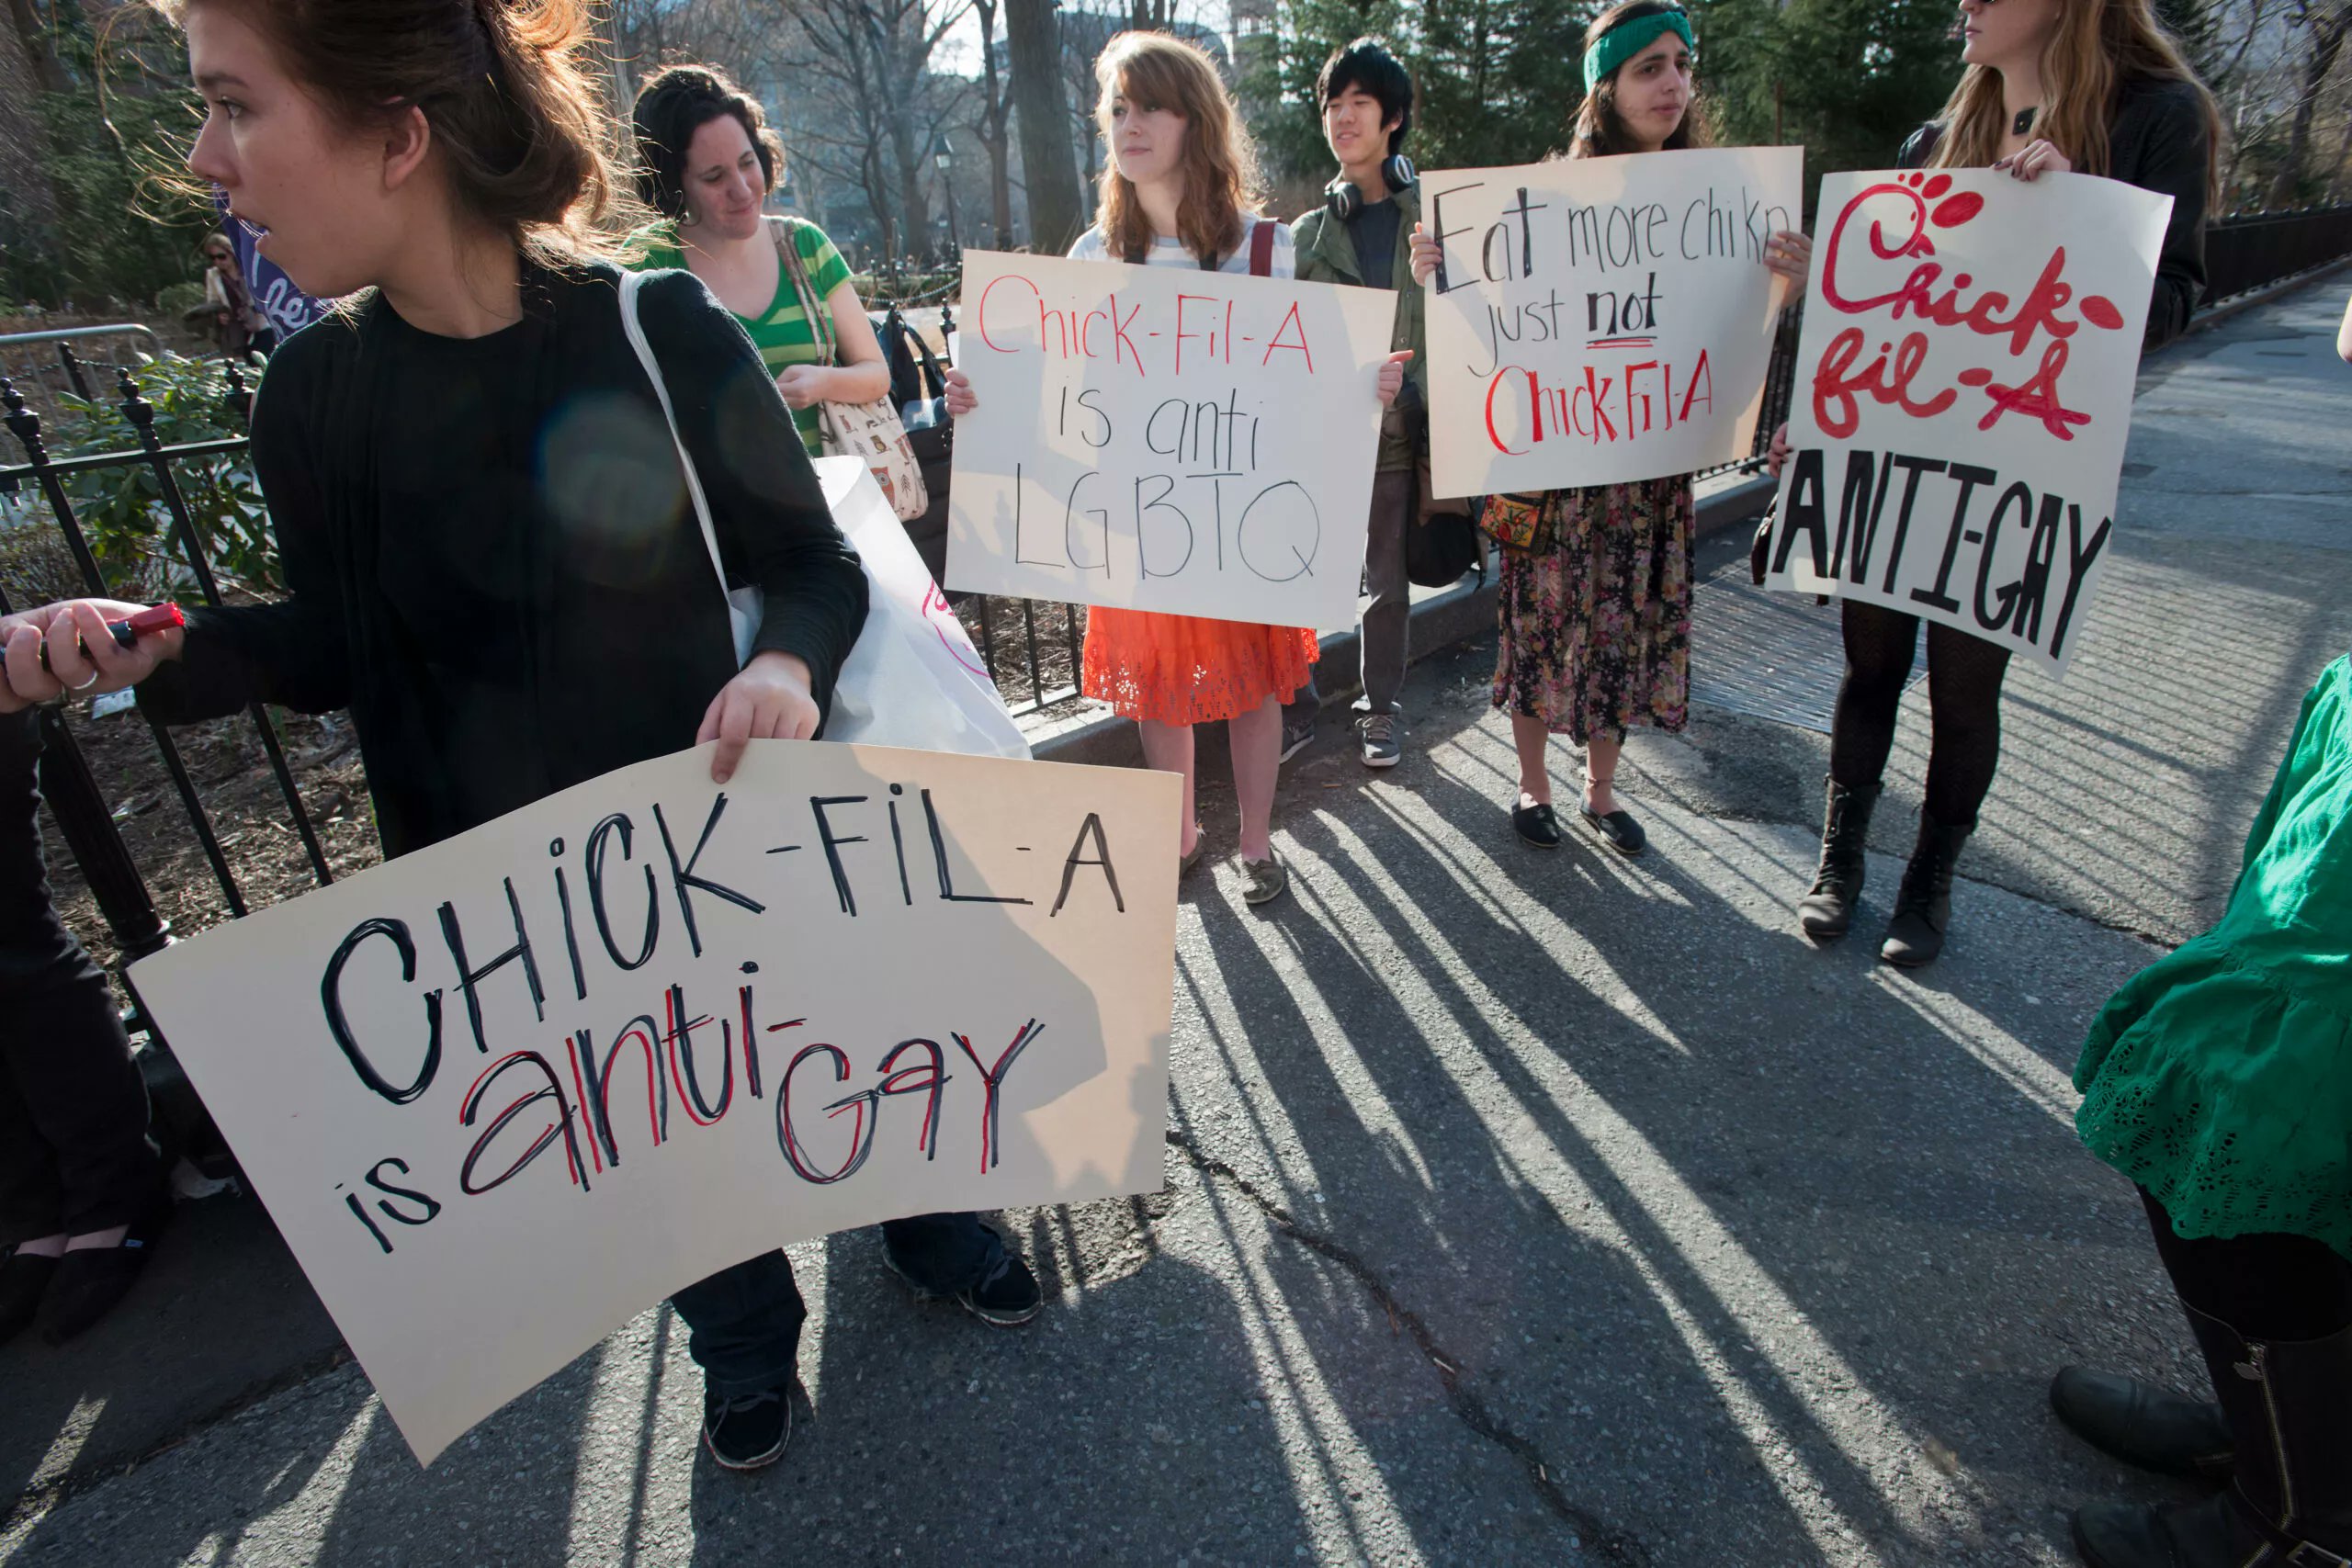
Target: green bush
122,510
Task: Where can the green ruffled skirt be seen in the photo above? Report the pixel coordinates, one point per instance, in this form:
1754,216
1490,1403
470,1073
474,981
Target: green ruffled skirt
2220,1078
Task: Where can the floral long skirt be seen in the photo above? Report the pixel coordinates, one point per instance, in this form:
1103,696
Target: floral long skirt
1596,617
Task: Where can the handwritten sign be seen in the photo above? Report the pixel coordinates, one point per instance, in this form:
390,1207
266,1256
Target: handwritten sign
1963,395
503,1093
1162,439
1599,321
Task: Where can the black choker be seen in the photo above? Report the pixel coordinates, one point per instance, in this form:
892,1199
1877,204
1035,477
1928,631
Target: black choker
2023,123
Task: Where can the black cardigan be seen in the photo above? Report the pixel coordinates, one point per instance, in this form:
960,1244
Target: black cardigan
2155,139
557,616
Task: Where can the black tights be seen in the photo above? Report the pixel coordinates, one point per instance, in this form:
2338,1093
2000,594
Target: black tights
1965,676
2277,1287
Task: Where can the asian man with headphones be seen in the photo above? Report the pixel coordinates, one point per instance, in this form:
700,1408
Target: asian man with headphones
1362,234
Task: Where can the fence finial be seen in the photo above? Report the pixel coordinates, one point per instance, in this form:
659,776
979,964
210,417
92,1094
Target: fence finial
22,422
135,407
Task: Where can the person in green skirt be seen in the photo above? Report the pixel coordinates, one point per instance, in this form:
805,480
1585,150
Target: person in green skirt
2219,1080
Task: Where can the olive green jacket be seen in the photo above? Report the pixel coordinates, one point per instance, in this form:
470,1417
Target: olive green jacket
1326,254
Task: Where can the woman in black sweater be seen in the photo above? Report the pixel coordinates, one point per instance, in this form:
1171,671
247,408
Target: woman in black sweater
493,558
2097,87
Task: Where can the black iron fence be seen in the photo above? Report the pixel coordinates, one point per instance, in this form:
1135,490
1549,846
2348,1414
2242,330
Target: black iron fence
1032,650
2257,249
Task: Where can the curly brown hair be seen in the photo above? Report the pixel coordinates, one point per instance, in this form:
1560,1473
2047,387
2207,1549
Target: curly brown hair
675,102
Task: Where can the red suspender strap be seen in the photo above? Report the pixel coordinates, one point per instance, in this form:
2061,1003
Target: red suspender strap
1261,248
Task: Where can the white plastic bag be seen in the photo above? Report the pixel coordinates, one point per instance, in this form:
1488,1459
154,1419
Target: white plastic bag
914,679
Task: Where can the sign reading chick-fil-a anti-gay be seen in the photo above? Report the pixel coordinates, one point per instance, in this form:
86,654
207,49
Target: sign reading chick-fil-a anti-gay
1159,438
1963,396
505,1092
1599,320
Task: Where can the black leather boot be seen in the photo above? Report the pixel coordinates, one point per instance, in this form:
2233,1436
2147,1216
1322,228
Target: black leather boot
1828,908
1923,905
2292,1499
2144,1426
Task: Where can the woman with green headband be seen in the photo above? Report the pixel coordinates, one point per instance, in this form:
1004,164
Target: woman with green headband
1596,614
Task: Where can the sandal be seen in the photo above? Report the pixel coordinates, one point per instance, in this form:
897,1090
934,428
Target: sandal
1185,862
1263,881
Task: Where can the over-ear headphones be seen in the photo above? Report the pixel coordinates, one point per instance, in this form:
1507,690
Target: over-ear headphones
1345,201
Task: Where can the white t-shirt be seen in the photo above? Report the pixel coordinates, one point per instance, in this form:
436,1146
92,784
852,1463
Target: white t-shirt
1092,246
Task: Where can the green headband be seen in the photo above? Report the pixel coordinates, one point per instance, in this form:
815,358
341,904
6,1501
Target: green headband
1627,39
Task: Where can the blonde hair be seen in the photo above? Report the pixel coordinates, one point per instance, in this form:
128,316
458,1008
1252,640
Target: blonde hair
1158,71
2097,46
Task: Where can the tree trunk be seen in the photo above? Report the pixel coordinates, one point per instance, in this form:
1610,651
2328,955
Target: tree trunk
1033,45
992,131
2328,26
48,74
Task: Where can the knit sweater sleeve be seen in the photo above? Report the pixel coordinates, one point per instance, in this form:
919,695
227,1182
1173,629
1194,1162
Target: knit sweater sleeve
2160,145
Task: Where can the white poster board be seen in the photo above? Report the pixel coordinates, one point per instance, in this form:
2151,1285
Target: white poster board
854,984
1162,439
1600,321
1962,397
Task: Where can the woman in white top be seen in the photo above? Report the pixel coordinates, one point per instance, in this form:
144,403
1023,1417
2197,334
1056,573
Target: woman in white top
1179,190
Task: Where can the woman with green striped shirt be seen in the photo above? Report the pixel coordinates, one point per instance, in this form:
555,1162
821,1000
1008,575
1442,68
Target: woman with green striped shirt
706,162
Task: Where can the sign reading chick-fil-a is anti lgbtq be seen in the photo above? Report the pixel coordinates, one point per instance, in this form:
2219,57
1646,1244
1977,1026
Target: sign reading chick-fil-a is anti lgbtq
1599,320
502,1093
1164,439
1962,397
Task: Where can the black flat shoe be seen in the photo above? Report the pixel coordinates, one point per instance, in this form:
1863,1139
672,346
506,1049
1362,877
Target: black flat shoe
1617,829
1537,826
23,1278
92,1280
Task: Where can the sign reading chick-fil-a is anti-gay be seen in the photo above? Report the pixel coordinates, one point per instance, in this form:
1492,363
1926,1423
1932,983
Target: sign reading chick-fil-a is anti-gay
1164,439
505,1092
1600,321
1962,397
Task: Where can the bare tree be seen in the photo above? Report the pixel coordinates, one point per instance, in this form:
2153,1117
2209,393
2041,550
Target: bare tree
2325,23
994,126
1049,168
873,56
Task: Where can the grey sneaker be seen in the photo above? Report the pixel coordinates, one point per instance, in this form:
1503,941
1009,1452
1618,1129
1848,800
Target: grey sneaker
1381,747
1297,737
1262,881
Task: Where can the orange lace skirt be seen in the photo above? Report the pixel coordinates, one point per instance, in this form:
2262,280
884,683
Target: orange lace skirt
1187,669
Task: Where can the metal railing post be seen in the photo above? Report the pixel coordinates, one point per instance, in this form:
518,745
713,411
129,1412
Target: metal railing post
25,425
87,826
142,415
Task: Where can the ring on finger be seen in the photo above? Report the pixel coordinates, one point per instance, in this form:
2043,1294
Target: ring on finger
95,675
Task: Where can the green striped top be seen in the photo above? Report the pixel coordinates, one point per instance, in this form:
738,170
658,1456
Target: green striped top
782,332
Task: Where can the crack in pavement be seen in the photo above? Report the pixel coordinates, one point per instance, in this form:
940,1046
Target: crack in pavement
1606,1541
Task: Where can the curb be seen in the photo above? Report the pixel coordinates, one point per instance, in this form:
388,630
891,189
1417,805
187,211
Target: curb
1456,614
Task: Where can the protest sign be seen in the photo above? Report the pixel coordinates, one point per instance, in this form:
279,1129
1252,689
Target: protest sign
1599,320
505,1092
1962,397
1162,439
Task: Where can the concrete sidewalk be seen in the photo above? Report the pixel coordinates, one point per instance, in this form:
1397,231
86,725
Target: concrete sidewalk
1522,1208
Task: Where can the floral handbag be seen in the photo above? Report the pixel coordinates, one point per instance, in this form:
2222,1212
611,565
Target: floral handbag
871,431
1521,522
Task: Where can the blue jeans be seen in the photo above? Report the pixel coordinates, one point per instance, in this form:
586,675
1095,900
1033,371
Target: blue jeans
744,1323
